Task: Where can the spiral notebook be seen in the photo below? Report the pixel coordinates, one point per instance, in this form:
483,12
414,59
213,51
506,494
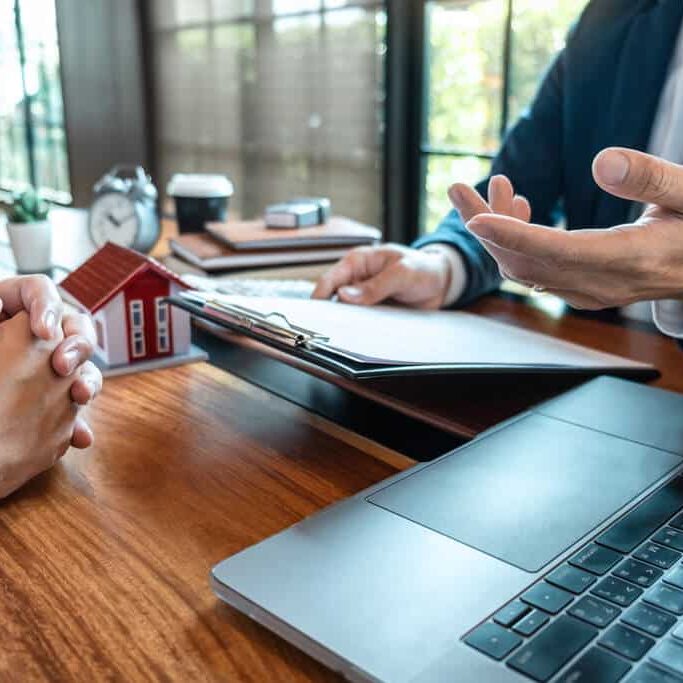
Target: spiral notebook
368,342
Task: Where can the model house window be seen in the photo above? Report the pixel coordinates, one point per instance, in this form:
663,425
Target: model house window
32,131
484,62
99,329
163,343
137,328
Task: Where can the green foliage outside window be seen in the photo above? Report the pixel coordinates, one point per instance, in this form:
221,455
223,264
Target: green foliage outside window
465,55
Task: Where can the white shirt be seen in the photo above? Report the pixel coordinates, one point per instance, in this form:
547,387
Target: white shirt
666,141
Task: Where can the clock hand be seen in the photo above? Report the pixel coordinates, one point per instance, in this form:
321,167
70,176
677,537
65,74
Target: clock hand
111,219
127,218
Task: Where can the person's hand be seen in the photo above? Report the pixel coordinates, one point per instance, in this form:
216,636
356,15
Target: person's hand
502,200
38,296
595,269
37,415
370,275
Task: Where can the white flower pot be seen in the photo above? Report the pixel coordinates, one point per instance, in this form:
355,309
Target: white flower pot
32,246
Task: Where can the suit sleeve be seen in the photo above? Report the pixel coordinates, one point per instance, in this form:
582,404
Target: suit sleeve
531,156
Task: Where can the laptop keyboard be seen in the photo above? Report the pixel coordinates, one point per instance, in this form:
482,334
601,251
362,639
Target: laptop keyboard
610,613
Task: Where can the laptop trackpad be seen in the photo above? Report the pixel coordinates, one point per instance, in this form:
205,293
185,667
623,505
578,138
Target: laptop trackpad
529,491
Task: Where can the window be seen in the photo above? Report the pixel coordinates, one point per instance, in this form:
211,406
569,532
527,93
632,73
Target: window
484,60
137,327
99,329
286,97
32,136
163,342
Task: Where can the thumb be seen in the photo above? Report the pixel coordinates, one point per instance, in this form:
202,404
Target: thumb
641,177
373,291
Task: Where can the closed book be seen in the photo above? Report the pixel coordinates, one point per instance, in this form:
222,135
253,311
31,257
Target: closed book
255,235
210,255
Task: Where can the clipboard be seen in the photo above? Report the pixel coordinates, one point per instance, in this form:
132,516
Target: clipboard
277,327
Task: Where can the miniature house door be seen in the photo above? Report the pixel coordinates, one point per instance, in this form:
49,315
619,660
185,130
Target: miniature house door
148,318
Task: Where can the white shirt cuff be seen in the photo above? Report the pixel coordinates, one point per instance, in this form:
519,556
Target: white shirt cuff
457,268
668,316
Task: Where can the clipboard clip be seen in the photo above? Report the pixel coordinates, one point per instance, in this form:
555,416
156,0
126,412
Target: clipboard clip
275,325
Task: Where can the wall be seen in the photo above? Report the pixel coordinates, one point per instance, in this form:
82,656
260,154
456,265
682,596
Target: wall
103,81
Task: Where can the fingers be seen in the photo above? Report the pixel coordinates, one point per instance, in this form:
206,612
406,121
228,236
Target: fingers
77,347
641,177
37,295
88,384
501,195
512,234
521,209
82,436
375,290
467,201
358,265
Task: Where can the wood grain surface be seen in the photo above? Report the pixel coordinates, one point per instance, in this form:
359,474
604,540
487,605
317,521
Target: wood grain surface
104,561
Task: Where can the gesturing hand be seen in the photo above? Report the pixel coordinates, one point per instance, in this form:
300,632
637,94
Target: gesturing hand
595,269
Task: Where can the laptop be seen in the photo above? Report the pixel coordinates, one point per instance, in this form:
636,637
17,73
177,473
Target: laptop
548,549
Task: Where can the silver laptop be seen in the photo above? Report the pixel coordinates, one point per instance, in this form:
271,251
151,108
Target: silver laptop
549,548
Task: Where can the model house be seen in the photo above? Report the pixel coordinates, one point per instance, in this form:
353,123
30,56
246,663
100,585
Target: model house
124,291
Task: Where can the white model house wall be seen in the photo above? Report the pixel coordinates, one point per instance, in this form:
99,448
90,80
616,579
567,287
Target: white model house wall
181,325
113,319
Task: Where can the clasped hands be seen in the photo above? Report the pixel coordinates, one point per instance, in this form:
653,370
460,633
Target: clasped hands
45,378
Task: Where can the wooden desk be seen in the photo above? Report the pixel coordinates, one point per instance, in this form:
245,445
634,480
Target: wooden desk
104,560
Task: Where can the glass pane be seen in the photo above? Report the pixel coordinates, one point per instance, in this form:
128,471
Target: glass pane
539,32
442,172
173,13
13,151
43,86
231,9
465,73
288,107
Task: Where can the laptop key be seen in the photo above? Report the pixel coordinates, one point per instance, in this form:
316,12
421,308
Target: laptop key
670,655
675,577
635,526
571,578
548,651
594,611
666,597
669,537
531,623
595,558
649,619
493,640
657,555
595,665
648,674
617,591
547,597
637,572
677,521
511,613
626,642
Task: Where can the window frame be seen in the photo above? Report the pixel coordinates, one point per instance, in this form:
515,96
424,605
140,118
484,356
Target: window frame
138,346
163,326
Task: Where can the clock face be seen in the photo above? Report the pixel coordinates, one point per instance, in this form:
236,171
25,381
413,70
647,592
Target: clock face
114,218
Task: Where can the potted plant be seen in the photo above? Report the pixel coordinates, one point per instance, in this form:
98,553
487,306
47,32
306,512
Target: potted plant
29,232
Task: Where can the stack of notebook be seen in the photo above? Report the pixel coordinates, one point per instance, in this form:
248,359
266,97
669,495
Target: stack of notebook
250,244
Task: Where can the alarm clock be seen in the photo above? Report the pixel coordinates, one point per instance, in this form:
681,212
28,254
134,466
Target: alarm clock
124,210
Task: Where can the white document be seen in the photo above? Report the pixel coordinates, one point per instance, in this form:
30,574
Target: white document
399,336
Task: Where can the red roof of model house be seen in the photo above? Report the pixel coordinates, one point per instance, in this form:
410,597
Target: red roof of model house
107,272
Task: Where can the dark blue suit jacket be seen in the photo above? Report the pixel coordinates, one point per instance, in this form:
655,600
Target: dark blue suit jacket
603,89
